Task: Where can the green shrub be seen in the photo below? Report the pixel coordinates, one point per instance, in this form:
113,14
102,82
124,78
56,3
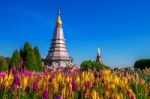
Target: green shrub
91,65
142,64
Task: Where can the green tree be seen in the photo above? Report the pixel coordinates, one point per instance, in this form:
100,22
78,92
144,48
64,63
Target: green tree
3,64
29,57
86,65
25,49
97,66
15,59
142,64
30,60
91,65
38,59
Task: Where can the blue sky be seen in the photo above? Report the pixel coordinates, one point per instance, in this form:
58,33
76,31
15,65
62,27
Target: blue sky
121,28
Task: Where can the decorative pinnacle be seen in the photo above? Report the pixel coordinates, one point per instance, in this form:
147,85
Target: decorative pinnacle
59,21
98,52
58,12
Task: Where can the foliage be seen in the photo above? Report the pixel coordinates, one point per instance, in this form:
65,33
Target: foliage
139,90
146,77
91,65
25,49
30,59
26,57
15,59
38,58
145,74
3,64
142,64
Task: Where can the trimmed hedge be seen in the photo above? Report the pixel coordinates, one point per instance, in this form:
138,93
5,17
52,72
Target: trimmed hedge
142,64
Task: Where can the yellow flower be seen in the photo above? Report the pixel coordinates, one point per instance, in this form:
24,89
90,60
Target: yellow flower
59,76
78,80
116,80
55,85
8,80
24,82
94,95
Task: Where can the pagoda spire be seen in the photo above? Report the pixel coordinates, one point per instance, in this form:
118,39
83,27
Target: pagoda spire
59,21
98,59
98,51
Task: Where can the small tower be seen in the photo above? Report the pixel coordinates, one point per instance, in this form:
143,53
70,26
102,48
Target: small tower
58,54
98,58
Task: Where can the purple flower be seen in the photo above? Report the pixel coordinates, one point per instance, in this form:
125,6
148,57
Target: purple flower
87,84
17,80
25,72
95,74
58,97
1,86
35,86
14,70
27,89
21,63
132,97
74,85
29,73
2,75
46,72
45,94
103,81
51,77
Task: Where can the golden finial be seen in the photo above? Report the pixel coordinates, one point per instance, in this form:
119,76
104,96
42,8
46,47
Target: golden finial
59,22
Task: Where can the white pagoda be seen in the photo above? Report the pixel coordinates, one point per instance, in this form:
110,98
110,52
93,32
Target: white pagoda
58,55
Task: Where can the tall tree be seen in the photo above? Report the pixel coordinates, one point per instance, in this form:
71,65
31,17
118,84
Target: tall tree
29,57
15,59
30,60
3,64
38,58
25,49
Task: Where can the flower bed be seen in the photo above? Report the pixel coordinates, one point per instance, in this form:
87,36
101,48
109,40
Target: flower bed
103,84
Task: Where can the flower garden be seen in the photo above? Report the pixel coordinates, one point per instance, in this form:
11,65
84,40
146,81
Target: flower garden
104,84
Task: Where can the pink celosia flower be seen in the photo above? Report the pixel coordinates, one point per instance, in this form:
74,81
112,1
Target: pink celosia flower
46,72
21,63
87,84
27,89
132,97
58,97
25,72
14,70
17,80
45,94
35,86
74,85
